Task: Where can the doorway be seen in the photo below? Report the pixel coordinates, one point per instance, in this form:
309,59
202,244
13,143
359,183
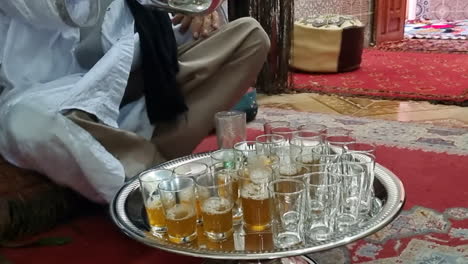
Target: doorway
436,19
420,19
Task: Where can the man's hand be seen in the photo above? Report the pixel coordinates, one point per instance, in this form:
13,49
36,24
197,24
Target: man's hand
200,26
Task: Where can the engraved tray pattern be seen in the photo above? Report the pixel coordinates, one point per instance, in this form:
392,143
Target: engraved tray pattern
126,209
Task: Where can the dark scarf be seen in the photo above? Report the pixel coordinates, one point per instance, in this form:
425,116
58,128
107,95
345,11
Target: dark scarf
164,101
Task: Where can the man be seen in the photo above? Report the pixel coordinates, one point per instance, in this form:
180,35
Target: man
77,96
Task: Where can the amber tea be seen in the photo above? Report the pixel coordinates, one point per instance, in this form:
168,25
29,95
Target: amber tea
155,213
217,218
181,223
256,211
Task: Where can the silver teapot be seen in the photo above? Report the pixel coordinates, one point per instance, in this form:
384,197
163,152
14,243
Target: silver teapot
193,7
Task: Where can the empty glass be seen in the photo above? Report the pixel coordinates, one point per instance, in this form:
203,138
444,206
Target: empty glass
365,153
178,199
313,130
269,143
336,142
351,176
322,191
360,147
317,158
230,128
306,140
285,131
149,181
367,161
287,212
268,126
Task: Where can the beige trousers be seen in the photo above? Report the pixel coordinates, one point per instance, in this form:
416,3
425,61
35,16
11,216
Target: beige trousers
214,74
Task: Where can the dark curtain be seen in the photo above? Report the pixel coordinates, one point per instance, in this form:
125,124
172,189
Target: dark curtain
277,18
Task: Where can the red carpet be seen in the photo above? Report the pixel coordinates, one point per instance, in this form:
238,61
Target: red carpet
395,75
434,223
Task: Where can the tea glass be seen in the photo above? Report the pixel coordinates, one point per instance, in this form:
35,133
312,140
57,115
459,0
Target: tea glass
322,192
149,181
178,199
268,126
255,198
216,200
192,170
230,128
268,144
351,176
287,211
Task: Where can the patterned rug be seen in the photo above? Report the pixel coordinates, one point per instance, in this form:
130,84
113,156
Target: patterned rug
434,29
415,136
426,46
433,228
431,161
396,75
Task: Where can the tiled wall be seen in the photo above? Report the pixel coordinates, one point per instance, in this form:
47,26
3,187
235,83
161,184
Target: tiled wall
422,9
442,9
362,9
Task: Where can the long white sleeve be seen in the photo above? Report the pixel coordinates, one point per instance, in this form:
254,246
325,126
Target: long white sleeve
53,13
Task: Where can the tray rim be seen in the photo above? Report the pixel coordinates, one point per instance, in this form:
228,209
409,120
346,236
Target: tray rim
123,223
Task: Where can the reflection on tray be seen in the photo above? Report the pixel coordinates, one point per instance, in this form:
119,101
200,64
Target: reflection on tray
242,240
128,213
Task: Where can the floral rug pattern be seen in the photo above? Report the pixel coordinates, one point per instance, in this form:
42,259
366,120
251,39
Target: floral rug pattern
419,234
425,137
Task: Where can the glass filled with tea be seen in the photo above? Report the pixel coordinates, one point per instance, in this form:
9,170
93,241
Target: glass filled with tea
149,181
178,199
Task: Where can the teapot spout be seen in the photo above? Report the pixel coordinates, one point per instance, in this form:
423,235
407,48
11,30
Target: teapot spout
191,7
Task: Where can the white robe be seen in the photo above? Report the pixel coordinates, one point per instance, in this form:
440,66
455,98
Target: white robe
40,79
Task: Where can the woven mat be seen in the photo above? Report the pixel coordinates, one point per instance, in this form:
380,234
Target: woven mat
426,46
30,203
437,29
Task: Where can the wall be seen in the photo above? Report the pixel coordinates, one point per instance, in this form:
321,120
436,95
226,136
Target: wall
445,9
422,9
411,9
362,9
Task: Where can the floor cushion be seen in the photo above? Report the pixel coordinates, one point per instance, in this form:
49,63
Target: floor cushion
327,43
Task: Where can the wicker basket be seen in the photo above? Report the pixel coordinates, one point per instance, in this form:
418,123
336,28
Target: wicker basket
30,203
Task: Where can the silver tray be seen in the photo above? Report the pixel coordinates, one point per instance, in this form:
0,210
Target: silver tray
129,215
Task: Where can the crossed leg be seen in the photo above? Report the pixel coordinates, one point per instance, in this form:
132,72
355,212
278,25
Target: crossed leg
214,74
